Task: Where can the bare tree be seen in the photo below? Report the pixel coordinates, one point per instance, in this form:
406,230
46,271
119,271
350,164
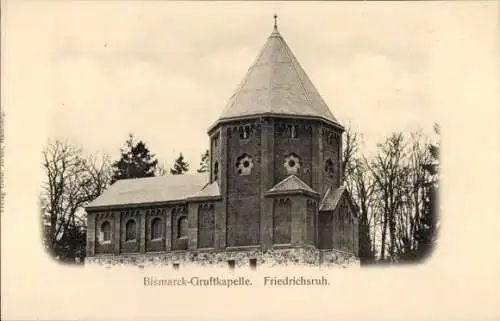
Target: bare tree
350,150
71,182
413,195
360,185
388,173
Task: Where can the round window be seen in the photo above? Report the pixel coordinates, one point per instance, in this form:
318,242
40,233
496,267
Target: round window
292,163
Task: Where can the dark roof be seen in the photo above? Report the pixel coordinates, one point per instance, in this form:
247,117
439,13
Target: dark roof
332,198
165,188
276,84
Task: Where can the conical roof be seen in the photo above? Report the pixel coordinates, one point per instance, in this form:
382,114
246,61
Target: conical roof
276,84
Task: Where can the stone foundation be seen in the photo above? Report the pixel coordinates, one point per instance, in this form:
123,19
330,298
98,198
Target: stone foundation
273,257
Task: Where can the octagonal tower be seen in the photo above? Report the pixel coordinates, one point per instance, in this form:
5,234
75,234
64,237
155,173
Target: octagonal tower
275,152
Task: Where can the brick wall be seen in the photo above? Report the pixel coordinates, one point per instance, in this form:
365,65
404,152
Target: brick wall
301,146
179,242
215,154
282,221
91,233
325,230
102,247
206,226
343,227
311,213
130,246
243,191
158,216
331,150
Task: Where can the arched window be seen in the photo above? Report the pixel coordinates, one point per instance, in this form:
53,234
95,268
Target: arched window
216,170
182,227
156,228
282,218
292,131
244,132
130,229
106,231
329,169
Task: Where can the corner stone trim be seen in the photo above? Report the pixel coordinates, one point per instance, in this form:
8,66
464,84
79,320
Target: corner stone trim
272,257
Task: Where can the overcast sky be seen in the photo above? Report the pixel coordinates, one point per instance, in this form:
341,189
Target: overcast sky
95,72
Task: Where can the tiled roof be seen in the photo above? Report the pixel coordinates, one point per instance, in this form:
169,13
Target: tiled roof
291,183
276,84
331,199
152,189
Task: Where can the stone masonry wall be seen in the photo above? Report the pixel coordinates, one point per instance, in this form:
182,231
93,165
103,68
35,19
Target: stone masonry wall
272,257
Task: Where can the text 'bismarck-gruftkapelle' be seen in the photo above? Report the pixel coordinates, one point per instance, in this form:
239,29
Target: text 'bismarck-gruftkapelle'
198,281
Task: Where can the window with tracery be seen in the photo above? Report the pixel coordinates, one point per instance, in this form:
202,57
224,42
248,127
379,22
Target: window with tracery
130,230
106,231
156,229
182,227
244,132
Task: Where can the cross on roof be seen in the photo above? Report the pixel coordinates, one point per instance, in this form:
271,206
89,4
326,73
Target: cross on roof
275,21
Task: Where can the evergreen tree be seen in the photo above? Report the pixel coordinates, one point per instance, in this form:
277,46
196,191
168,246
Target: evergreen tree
136,161
204,162
180,166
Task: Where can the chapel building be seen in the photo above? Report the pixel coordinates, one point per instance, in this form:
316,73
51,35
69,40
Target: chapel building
273,194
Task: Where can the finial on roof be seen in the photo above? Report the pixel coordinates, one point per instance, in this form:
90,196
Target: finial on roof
275,22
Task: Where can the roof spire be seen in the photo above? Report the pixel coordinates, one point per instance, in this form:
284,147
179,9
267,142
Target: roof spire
275,22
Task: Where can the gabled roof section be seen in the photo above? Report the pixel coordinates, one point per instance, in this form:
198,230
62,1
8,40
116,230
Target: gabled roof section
276,84
332,198
167,188
291,183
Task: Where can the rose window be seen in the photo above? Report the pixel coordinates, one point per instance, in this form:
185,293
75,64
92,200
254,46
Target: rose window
244,165
292,164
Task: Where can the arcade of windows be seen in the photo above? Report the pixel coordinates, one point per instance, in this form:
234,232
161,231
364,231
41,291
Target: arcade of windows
291,131
155,228
244,132
330,137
